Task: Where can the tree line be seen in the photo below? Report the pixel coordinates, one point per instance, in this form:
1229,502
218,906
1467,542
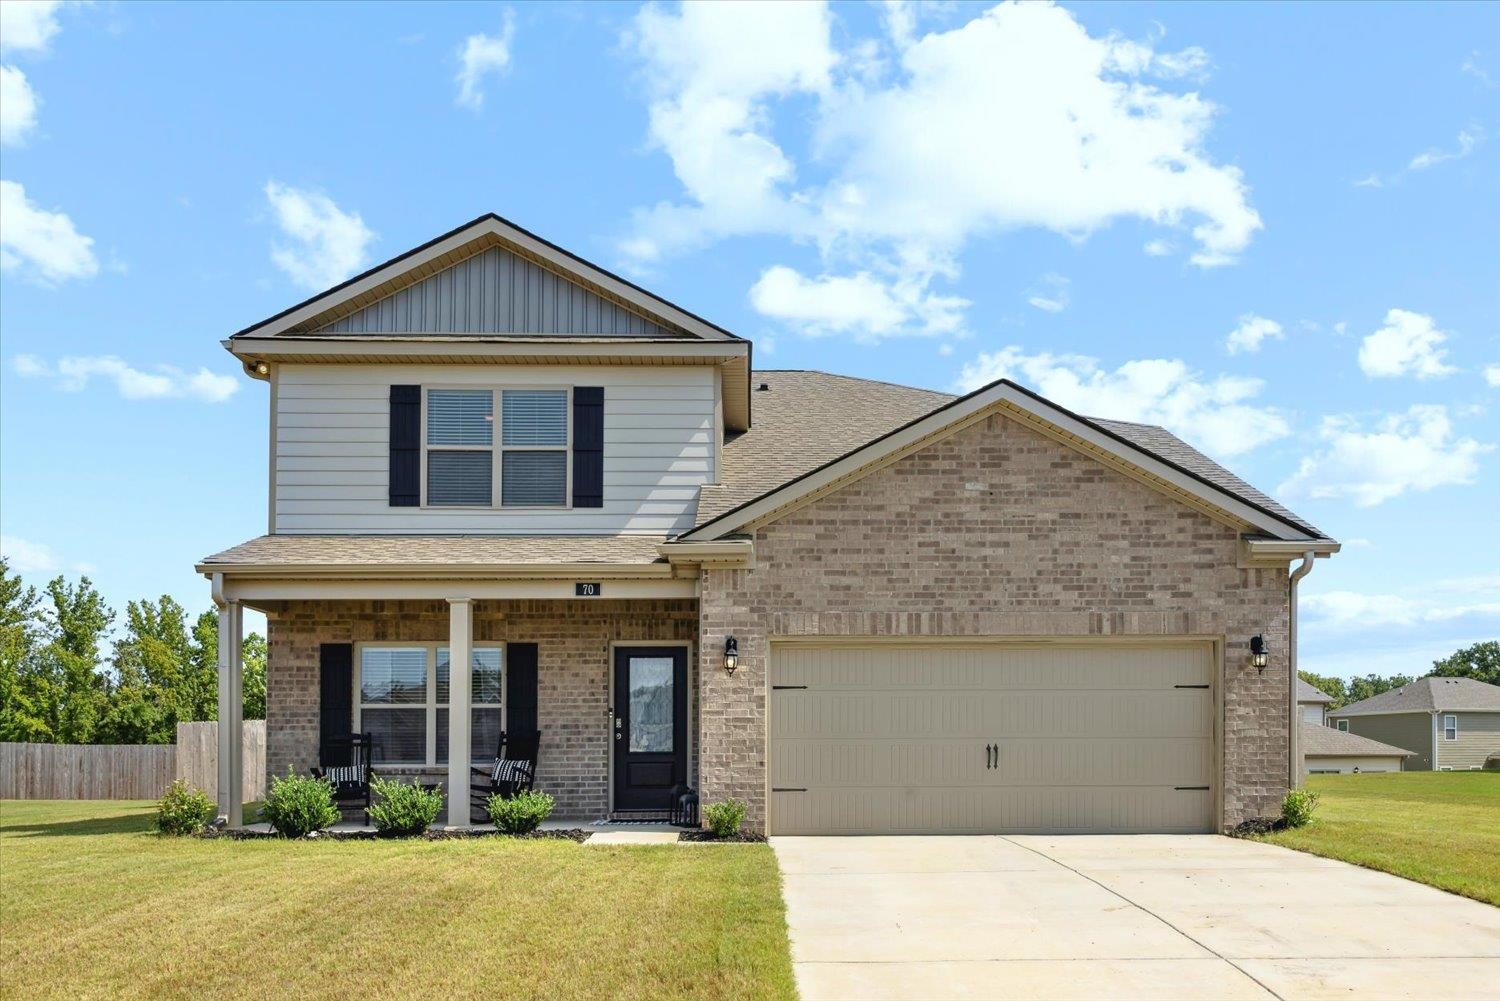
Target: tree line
59,686
1480,662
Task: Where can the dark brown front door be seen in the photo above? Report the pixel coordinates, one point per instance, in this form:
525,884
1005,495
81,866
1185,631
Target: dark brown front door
650,726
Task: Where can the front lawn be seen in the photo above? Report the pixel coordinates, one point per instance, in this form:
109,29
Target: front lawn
93,905
1439,828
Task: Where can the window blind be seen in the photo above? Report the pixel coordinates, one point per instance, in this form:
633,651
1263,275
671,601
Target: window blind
459,478
534,478
460,417
534,417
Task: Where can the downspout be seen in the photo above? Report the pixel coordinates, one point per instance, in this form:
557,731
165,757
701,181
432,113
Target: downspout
1294,760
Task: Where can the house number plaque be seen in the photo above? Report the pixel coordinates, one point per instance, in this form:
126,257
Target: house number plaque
589,590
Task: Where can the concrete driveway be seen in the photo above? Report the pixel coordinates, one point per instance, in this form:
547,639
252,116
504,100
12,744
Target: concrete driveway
1121,917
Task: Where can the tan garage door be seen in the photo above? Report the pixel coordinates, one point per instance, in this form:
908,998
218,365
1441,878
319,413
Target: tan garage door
995,738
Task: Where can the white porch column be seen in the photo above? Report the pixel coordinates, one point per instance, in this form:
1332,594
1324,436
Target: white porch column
460,671
231,713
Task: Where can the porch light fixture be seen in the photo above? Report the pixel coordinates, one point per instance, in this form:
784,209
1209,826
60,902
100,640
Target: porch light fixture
731,655
261,368
1259,655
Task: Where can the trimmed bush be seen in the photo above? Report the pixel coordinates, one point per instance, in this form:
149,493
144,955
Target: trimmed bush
1297,807
183,810
725,818
403,808
521,813
298,805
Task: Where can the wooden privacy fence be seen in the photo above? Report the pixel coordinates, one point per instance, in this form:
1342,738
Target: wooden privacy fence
86,771
198,758
129,771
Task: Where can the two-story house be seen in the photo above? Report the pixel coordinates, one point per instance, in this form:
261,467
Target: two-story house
512,491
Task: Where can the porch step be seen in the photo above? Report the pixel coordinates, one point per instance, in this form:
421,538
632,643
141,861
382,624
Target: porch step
632,838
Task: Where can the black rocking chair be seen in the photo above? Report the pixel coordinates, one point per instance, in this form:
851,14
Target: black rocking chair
351,780
513,771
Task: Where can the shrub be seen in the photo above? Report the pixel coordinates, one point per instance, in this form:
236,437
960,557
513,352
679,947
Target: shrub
1297,807
184,810
297,805
725,818
404,808
521,813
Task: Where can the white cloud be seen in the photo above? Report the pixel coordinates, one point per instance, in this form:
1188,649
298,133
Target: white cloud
1467,140
73,375
38,245
328,245
1492,376
27,25
1026,121
1251,332
1472,68
28,557
1359,610
1052,296
483,55
1215,413
17,107
862,304
1408,344
1412,451
1370,181
1159,248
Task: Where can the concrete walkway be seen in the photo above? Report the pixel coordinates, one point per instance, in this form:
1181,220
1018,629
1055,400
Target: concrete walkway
1121,917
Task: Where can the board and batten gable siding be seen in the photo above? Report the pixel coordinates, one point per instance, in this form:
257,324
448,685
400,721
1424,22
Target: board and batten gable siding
1478,738
496,292
1412,731
332,449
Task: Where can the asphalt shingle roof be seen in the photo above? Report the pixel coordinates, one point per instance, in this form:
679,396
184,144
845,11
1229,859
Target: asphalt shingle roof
1307,693
1316,740
438,550
1425,695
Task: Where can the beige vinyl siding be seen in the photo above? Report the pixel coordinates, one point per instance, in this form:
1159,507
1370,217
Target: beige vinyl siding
1092,738
1412,731
1345,764
1478,738
332,449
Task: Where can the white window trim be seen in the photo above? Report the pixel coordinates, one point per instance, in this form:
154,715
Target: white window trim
1446,727
497,449
431,705
1343,726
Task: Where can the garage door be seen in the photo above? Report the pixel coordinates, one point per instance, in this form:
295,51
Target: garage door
998,738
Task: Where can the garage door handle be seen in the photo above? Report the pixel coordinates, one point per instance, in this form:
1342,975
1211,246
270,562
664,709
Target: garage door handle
989,756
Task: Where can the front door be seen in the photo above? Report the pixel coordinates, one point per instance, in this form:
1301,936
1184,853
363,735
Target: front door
650,726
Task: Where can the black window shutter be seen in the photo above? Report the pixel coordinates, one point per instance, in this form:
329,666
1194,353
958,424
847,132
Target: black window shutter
335,701
406,446
588,446
520,688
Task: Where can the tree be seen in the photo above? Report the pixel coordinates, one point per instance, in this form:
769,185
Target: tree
71,691
253,671
255,676
1480,662
1373,684
21,715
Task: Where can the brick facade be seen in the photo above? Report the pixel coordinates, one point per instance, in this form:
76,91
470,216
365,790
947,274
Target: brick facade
995,530
573,641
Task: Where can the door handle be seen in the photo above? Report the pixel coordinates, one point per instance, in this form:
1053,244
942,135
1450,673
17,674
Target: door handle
989,754
995,756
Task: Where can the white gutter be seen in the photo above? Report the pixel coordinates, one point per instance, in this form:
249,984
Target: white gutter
1294,760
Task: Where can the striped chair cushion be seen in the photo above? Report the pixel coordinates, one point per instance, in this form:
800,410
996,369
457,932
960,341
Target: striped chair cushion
508,771
345,774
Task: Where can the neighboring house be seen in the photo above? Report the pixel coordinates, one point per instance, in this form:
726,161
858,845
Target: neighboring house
1449,724
1326,751
1311,702
854,606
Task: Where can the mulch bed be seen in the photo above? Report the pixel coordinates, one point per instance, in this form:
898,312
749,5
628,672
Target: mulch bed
1257,825
744,837
570,834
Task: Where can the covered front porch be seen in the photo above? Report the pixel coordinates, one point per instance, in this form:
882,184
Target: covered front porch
436,661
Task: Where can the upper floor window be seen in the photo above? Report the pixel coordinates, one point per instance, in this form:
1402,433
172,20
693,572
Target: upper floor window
461,466
1450,727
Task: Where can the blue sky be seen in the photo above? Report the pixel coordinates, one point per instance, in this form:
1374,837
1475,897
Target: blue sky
1274,229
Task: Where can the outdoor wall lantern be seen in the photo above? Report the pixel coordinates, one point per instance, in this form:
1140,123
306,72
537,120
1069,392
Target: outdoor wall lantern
731,655
1259,655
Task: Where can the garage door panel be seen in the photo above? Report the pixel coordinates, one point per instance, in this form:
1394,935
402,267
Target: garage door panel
1088,736
823,763
948,810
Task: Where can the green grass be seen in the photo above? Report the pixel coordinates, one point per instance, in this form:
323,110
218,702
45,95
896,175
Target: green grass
1439,828
94,905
